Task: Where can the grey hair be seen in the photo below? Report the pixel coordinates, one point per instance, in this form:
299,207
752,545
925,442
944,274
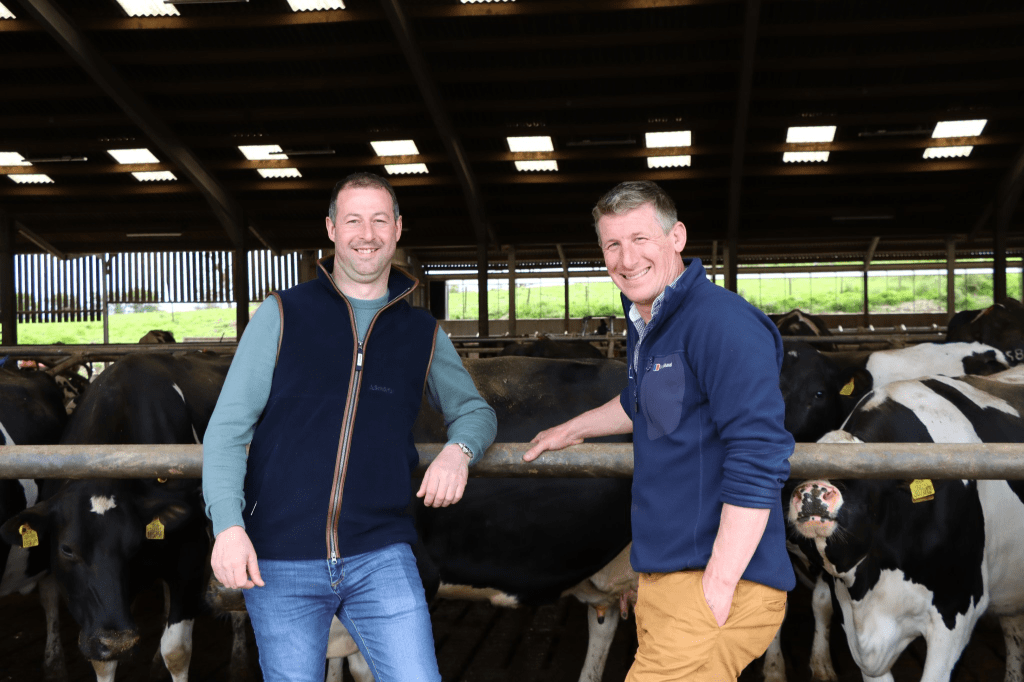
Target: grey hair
361,179
630,195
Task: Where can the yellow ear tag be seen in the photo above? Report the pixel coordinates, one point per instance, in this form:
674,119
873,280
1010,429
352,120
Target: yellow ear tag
161,480
29,538
922,490
155,530
848,388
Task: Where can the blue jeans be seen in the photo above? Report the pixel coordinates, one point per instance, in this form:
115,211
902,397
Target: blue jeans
378,596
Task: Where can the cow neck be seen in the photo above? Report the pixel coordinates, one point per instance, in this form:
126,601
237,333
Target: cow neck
400,286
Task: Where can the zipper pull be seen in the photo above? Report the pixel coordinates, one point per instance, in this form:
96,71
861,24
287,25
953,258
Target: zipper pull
359,358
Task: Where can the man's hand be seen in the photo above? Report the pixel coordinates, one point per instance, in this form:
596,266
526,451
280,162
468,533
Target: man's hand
555,438
719,596
446,477
234,560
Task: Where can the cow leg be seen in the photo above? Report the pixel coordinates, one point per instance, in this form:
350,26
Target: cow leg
1013,635
599,641
774,668
821,654
238,670
54,668
176,649
359,669
104,670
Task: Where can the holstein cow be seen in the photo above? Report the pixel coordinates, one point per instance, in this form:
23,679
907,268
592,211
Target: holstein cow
922,558
109,538
1000,326
820,389
157,336
798,323
31,413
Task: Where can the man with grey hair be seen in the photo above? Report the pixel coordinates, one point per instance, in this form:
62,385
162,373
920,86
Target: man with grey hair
710,450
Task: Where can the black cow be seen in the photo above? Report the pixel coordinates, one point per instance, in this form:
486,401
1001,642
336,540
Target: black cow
798,323
1000,326
546,347
820,389
158,336
108,539
922,558
31,413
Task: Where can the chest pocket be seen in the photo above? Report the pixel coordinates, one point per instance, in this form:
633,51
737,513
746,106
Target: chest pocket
661,395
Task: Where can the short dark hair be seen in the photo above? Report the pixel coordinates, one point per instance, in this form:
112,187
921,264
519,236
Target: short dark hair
361,179
629,195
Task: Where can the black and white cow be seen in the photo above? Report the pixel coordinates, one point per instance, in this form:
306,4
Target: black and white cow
31,413
1000,325
107,539
820,389
798,323
904,564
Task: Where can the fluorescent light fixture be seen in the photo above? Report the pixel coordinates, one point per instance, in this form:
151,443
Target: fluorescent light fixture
67,158
153,234
154,176
534,143
315,5
959,128
6,13
32,179
133,156
148,8
406,168
537,165
259,152
800,134
13,159
668,161
394,148
470,2
669,138
804,157
947,152
279,172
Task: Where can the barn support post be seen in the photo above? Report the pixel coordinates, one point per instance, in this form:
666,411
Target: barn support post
8,299
307,265
714,261
483,314
240,282
999,258
511,291
867,264
565,280
950,279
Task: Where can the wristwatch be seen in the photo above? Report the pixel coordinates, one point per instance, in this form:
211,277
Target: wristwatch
465,449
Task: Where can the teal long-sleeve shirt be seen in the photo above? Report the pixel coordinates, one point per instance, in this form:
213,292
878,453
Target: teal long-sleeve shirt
450,390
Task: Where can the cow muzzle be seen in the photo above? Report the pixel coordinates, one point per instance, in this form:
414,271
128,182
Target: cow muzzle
104,645
813,508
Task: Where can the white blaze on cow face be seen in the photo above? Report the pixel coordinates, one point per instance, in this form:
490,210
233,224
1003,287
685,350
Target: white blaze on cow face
102,504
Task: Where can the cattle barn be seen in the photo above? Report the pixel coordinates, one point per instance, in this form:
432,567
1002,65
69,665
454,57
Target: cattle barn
183,152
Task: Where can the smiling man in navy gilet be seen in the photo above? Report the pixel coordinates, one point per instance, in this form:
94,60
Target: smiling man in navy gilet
326,385
710,450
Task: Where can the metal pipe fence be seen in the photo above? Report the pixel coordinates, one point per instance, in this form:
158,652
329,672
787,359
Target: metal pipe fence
590,460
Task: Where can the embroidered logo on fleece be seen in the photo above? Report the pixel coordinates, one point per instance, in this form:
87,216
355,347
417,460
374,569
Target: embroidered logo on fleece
382,389
662,365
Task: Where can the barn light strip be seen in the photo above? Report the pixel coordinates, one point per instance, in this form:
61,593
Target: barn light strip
13,159
668,161
470,2
551,165
803,134
531,143
279,172
315,5
260,152
947,152
406,168
148,8
133,155
154,176
669,138
6,13
959,128
804,157
394,148
32,179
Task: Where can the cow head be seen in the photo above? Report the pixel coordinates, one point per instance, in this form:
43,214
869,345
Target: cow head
95,533
818,395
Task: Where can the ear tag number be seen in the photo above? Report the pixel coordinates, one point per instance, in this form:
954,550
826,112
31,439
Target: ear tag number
848,388
29,538
155,530
922,490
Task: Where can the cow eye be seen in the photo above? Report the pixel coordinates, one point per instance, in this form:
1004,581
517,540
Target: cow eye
819,395
66,552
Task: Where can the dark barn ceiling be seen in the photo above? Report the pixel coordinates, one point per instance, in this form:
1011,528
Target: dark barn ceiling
79,77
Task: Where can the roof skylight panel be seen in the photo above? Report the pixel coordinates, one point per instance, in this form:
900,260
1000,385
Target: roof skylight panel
6,13
394,148
804,157
154,176
279,172
947,152
669,138
406,168
959,128
13,159
315,5
805,134
549,165
148,8
531,143
142,155
32,179
668,161
260,152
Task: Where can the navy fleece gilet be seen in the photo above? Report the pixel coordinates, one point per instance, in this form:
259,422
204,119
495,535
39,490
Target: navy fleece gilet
299,447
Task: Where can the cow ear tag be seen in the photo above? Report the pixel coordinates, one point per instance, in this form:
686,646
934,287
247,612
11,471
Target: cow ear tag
848,388
29,538
922,490
155,529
